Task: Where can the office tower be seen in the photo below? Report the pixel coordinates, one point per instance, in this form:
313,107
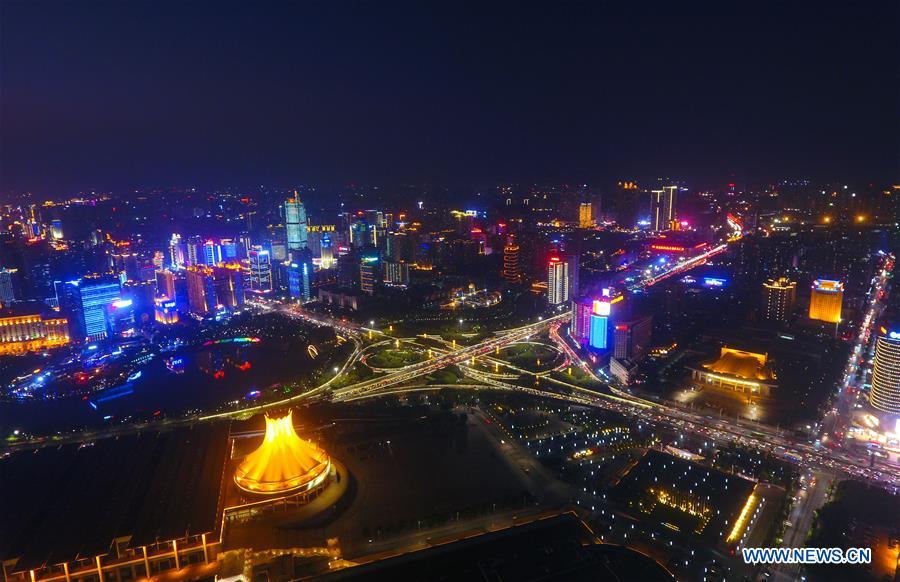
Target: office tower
396,273
369,273
176,252
228,282
779,296
260,270
165,284
574,264
295,224
586,215
56,232
557,281
299,280
600,323
825,300
212,253
326,252
632,338
7,289
885,392
580,328
90,300
662,208
511,271
201,289
195,252
141,295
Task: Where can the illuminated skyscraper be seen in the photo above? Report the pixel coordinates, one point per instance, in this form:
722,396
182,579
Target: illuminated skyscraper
825,300
662,208
201,289
586,215
7,292
260,270
779,296
885,392
327,252
632,338
580,328
369,273
295,224
574,263
396,272
89,299
165,284
229,285
557,281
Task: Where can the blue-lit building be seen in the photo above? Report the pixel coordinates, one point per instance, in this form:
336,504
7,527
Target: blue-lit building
89,300
299,276
599,331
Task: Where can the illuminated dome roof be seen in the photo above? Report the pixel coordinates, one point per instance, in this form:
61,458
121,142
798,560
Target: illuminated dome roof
283,463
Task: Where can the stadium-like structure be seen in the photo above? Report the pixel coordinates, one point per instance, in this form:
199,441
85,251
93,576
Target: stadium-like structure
284,463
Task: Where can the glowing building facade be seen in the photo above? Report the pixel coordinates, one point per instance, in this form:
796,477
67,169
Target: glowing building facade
30,332
295,224
557,281
284,463
737,371
662,208
779,297
826,300
885,392
586,215
512,272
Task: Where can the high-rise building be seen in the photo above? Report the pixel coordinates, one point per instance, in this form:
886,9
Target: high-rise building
396,272
89,299
574,263
212,253
369,273
599,338
826,300
201,289
580,328
141,295
557,281
631,339
586,215
165,284
512,272
260,270
779,297
295,224
885,392
662,208
228,282
7,289
56,232
326,252
176,252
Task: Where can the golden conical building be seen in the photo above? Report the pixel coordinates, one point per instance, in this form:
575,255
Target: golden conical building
283,463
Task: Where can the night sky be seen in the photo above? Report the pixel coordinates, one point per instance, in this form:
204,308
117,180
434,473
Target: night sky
132,93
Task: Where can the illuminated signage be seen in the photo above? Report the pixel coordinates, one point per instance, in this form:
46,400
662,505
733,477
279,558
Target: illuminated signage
121,303
601,307
671,248
714,282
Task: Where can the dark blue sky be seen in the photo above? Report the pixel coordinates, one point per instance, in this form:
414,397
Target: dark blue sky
122,93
